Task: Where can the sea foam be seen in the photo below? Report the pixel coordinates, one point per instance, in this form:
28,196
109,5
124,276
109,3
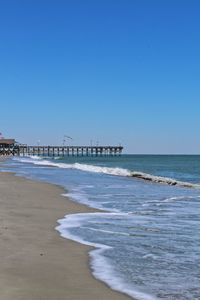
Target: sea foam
100,265
109,171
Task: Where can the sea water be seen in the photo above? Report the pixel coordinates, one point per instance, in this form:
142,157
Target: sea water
146,239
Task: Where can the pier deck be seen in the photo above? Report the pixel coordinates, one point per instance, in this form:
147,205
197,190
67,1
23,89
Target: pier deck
67,150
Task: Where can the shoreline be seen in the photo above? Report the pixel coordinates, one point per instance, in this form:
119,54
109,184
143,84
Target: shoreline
37,262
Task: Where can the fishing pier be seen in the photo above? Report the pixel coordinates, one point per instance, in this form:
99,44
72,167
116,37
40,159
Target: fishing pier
69,150
10,147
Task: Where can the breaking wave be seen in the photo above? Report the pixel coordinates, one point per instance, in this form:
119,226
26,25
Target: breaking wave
107,170
165,180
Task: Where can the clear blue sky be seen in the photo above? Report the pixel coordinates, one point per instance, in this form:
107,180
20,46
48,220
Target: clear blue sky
113,71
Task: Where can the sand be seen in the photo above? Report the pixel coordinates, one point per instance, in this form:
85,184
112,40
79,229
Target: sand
36,263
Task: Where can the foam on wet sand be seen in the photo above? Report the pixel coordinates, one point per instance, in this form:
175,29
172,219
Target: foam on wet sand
36,263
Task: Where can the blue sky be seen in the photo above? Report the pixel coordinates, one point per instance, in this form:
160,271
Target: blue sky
110,71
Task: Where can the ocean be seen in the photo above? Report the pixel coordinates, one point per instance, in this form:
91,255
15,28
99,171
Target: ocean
146,239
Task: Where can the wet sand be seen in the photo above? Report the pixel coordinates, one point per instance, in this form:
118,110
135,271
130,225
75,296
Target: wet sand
36,263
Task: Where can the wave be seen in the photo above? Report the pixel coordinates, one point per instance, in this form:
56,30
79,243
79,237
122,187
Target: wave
82,167
164,180
171,199
109,171
107,231
100,265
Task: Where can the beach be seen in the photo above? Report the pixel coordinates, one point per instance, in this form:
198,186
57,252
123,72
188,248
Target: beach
36,263
55,211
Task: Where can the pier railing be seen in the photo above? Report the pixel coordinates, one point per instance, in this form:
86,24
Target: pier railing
67,150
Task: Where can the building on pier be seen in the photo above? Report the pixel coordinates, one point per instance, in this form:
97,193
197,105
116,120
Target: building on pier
7,146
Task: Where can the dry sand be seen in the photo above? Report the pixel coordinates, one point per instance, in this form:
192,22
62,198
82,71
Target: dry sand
36,263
